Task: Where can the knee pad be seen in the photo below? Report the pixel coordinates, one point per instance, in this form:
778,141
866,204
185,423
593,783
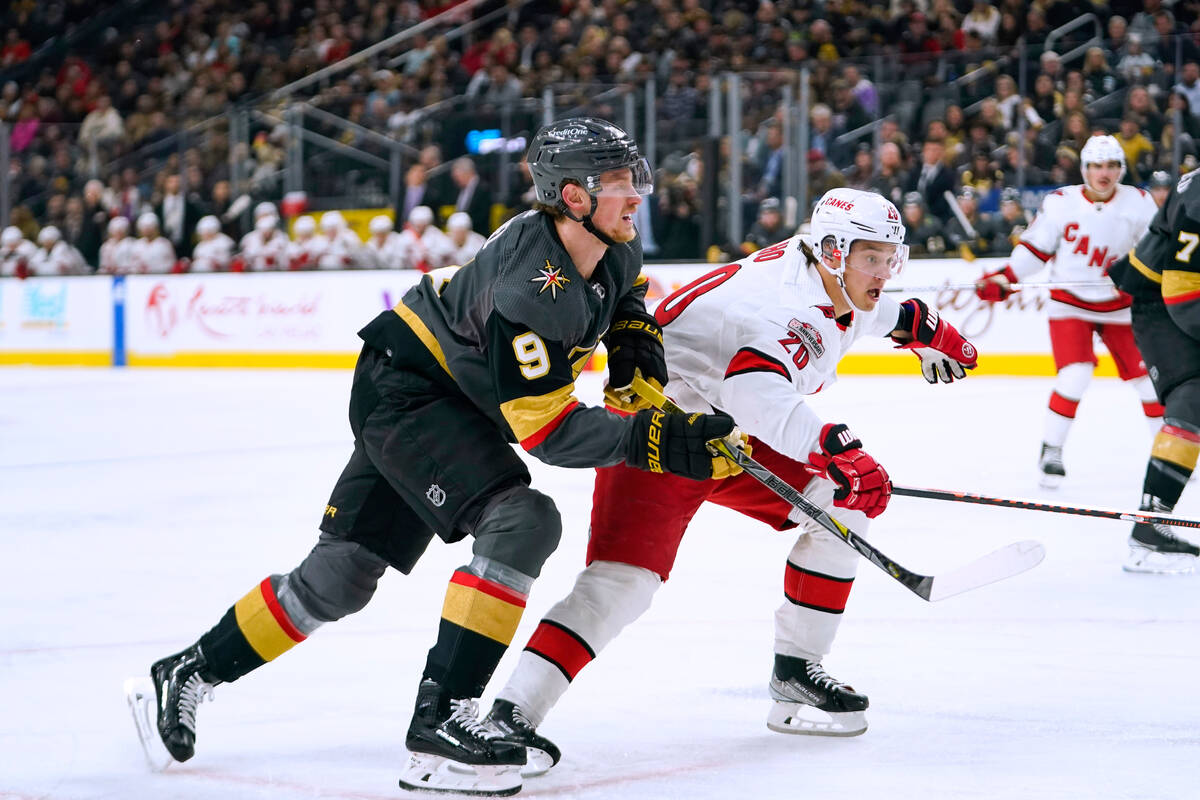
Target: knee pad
336,579
519,527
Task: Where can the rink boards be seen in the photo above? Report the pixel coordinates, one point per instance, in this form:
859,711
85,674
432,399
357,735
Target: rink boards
311,319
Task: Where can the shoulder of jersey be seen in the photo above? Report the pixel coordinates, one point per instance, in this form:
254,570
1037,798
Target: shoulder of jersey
1189,198
533,286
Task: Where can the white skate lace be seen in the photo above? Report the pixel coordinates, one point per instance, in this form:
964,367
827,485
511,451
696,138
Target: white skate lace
194,691
465,713
519,717
821,678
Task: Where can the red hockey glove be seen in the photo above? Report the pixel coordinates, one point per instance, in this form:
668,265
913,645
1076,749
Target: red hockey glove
945,355
863,484
996,286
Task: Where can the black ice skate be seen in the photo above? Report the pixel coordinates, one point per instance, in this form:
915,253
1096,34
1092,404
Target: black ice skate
510,723
164,706
1051,465
1155,548
453,752
809,701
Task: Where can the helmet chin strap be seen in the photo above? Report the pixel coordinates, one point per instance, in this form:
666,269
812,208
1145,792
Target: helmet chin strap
588,225
843,306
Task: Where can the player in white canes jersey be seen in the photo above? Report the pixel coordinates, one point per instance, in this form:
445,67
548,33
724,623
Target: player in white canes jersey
214,251
306,249
425,247
752,338
385,247
152,252
345,249
264,248
1079,233
116,254
15,253
55,256
464,241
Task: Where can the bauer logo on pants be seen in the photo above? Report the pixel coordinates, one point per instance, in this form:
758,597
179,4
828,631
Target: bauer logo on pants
436,495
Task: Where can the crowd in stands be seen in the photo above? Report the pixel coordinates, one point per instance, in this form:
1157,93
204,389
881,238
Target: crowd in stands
968,99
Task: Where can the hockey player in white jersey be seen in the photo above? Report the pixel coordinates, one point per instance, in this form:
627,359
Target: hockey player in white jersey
116,253
306,249
15,253
385,247
425,247
214,251
264,248
54,256
752,338
464,241
1079,233
345,249
152,252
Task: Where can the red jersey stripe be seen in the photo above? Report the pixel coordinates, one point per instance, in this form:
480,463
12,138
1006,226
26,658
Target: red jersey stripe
750,360
539,436
499,591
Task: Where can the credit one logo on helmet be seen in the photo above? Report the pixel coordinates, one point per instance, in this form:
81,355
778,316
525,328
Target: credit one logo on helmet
569,130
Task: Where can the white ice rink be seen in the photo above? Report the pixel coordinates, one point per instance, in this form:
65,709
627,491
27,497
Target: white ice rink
137,506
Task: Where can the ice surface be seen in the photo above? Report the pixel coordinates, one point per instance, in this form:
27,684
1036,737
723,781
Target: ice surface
136,506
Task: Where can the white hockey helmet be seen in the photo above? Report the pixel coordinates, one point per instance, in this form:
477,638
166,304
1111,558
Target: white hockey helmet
118,225
147,221
11,237
264,209
1101,150
421,215
266,223
332,221
459,221
305,226
844,216
49,234
207,225
381,224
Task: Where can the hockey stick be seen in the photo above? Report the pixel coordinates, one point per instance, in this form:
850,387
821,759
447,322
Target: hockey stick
1004,563
1147,517
958,287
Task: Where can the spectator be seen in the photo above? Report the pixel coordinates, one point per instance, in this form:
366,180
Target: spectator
932,179
679,238
771,182
1159,186
472,196
1189,85
889,178
767,229
1047,101
1139,103
214,251
1099,78
984,20
1139,152
821,134
864,91
466,242
821,177
861,173
94,218
1003,229
15,51
179,216
967,241
1136,65
102,125
923,231
981,174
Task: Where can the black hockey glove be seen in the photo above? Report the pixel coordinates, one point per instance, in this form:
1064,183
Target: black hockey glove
678,443
635,344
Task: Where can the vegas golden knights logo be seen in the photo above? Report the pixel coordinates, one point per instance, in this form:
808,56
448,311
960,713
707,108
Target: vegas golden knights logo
436,495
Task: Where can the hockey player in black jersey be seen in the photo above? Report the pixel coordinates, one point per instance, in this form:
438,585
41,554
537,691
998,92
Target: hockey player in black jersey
1163,275
468,363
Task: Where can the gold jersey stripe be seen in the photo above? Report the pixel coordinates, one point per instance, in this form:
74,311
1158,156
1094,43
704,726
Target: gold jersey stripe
1142,268
482,613
423,333
1175,450
528,415
259,626
1177,282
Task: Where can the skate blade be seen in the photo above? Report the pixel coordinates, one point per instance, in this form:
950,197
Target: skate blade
798,718
537,762
1050,481
440,775
1144,561
143,703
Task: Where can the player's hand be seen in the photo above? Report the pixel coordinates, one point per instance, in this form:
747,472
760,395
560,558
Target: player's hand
680,444
635,345
862,484
945,355
996,286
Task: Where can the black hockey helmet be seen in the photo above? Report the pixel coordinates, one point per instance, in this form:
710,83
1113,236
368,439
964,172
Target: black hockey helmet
1160,178
579,150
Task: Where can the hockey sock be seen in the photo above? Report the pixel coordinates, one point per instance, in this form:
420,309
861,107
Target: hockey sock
1172,460
1069,386
254,631
479,619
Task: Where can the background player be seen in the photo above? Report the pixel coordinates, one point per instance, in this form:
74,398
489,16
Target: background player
446,380
1163,274
752,338
1079,232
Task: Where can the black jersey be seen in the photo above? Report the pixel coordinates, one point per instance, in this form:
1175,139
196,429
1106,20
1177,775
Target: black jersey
1165,265
512,329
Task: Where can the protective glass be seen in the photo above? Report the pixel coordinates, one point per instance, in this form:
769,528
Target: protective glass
638,182
877,262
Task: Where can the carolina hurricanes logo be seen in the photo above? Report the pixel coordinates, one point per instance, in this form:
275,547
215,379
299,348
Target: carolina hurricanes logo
551,277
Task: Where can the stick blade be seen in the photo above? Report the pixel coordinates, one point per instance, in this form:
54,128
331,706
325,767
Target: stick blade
998,565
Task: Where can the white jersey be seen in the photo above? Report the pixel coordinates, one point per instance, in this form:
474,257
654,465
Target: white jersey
212,255
388,254
1080,240
754,337
155,256
305,253
345,250
61,259
430,250
116,256
15,261
264,253
462,254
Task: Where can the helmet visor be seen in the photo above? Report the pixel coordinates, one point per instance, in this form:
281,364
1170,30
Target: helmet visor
635,180
877,259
